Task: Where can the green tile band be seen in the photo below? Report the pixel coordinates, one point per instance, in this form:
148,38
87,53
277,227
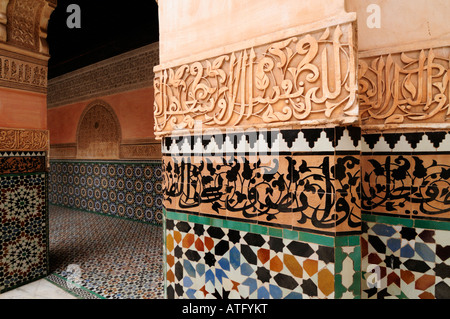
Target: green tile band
263,230
408,222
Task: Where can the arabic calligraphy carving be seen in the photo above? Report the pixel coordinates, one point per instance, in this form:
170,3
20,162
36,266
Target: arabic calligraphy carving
407,185
28,140
307,77
405,87
305,192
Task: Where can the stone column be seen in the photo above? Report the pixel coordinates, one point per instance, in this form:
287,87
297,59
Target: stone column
23,141
261,155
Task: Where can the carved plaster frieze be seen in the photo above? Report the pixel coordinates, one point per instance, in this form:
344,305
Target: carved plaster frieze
22,73
23,140
405,88
26,23
129,71
305,79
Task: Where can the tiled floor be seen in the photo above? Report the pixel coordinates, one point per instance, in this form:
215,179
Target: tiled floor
97,256
40,289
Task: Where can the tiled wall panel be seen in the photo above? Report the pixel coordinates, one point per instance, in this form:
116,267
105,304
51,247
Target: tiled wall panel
24,218
208,258
126,189
405,258
405,205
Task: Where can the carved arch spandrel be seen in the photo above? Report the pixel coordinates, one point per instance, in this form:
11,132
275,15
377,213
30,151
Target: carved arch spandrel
23,23
99,133
3,19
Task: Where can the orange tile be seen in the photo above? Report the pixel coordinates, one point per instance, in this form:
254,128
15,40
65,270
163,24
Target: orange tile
426,295
170,260
209,243
263,255
425,282
310,266
169,242
177,236
199,245
188,240
276,264
170,276
326,281
293,265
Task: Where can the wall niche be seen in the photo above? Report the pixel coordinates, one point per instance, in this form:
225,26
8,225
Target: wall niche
99,133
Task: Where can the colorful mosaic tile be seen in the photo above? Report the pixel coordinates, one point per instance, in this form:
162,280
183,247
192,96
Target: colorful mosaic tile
405,262
97,256
23,241
126,189
204,261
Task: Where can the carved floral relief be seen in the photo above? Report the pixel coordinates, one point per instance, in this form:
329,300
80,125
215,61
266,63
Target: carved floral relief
299,79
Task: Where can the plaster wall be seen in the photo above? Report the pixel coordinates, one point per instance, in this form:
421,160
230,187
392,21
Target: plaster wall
23,109
183,31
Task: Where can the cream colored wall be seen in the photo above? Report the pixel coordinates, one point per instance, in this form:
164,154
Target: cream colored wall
411,24
190,27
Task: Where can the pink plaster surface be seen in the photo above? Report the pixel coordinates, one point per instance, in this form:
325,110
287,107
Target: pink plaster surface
134,109
22,109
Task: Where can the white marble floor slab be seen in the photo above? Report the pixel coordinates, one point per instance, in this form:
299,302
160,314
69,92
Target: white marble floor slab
40,289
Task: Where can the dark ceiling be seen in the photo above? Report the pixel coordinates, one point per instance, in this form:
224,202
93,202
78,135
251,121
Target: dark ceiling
108,28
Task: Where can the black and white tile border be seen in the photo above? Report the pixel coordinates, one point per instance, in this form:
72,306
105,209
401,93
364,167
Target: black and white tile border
266,141
414,142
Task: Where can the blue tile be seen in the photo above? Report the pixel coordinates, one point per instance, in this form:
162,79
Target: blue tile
393,244
187,282
383,230
251,283
189,268
263,293
294,295
200,269
209,276
407,251
235,257
246,270
225,264
275,292
191,293
425,252
220,274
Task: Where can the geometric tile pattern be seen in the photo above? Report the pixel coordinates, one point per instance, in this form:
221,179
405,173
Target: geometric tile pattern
98,256
208,262
405,262
126,189
23,241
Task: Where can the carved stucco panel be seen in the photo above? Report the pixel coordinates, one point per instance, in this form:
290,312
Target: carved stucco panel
305,79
